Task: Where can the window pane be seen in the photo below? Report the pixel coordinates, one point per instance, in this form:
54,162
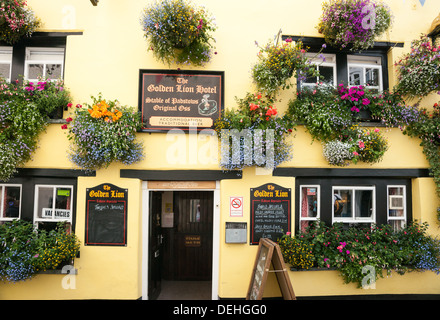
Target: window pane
364,203
310,80
63,203
35,71
356,76
45,202
194,210
327,74
309,202
5,70
12,200
53,71
397,224
342,203
396,205
372,77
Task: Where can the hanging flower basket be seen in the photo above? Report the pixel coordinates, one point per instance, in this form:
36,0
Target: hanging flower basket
179,32
103,133
354,24
278,62
419,71
259,134
16,21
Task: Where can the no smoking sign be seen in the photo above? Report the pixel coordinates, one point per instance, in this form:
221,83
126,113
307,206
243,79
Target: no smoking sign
236,207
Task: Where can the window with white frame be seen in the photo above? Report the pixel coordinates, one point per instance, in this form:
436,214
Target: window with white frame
365,71
10,202
6,63
53,203
47,63
354,205
309,202
326,65
396,206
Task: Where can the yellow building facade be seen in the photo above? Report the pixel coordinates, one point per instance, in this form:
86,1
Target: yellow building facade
105,50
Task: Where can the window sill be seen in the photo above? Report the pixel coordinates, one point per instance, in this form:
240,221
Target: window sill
313,269
59,271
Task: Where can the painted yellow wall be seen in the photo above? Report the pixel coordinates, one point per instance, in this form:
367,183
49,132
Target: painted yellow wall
106,59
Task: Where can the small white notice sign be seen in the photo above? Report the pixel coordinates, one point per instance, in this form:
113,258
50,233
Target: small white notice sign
236,207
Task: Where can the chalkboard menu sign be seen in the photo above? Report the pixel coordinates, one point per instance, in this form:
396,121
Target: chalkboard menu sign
177,99
106,216
270,212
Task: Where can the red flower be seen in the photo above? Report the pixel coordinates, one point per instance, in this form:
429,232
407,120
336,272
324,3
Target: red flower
64,126
253,106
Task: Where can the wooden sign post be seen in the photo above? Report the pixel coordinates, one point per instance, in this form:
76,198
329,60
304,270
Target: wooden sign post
269,253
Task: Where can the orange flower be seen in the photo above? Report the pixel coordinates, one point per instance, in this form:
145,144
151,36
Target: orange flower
95,112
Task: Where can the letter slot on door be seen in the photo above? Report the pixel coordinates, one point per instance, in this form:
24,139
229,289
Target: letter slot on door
236,232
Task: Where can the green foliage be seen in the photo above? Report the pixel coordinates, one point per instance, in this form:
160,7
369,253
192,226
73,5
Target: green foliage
351,250
55,247
321,111
277,63
24,111
418,72
179,32
297,252
427,129
24,251
254,112
104,132
17,20
48,95
354,24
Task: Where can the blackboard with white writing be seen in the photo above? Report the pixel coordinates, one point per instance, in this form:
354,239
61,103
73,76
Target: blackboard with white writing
106,216
270,212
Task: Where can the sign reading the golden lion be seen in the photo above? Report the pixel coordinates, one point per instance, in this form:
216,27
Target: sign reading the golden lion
270,212
177,99
106,216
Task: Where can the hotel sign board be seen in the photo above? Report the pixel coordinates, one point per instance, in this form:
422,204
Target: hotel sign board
177,99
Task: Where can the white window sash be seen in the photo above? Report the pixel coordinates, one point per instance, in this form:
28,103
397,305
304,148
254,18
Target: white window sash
6,51
400,218
355,219
58,58
2,190
364,66
330,62
318,203
52,218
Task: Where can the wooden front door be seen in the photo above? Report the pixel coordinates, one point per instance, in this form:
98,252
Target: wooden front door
188,245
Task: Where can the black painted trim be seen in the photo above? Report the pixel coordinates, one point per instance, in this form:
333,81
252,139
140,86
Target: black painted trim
333,172
53,173
319,41
180,175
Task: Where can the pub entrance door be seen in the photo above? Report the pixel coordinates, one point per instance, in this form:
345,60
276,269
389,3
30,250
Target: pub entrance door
180,238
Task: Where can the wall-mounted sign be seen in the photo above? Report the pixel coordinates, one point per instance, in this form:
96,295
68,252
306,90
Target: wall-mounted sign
106,215
236,206
193,240
59,213
270,212
172,99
